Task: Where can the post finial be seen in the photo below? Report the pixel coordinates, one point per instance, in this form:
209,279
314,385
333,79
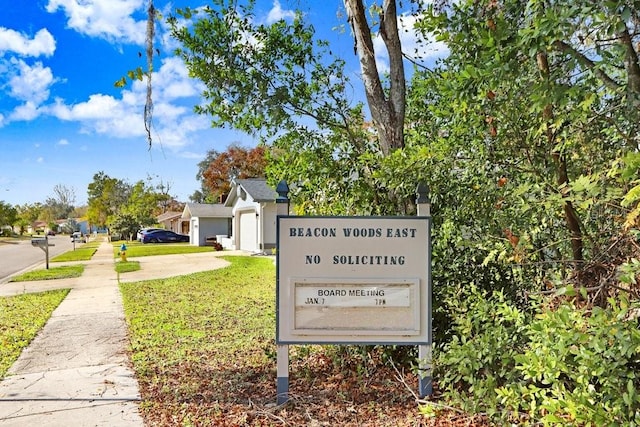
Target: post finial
283,192
422,193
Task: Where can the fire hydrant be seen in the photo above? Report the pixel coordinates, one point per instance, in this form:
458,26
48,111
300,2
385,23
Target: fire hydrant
123,252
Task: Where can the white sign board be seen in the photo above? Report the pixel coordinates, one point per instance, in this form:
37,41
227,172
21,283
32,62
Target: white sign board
353,280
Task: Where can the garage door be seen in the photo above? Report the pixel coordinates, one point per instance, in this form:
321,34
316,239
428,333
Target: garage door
248,232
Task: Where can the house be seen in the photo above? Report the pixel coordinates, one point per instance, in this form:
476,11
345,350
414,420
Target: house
173,221
206,222
37,227
253,205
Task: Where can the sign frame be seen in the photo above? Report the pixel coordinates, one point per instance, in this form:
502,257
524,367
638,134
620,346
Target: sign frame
386,250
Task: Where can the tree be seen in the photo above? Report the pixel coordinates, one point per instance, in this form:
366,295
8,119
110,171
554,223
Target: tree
124,224
8,216
387,112
528,122
274,79
266,77
203,195
105,196
235,162
27,214
61,205
143,204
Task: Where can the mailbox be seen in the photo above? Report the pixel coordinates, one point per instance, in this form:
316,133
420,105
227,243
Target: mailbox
39,242
42,243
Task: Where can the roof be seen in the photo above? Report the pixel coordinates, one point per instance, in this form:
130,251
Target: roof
206,210
169,216
257,188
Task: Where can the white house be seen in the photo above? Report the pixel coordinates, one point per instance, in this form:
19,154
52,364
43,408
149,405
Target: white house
253,205
206,222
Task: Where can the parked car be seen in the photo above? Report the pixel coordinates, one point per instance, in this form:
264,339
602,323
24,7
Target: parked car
143,231
163,236
77,237
51,233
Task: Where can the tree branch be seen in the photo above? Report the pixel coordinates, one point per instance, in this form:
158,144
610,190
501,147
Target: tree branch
588,63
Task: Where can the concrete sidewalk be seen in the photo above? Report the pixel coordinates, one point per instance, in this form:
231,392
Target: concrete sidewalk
76,372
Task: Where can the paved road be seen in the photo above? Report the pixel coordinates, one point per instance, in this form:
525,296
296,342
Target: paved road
20,255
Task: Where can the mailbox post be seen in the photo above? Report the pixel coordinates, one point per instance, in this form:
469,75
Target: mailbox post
43,243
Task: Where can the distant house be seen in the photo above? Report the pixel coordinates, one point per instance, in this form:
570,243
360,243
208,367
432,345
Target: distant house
206,222
37,227
173,221
254,214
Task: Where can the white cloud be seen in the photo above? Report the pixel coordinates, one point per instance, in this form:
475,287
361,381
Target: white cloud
174,95
63,142
101,114
40,160
108,19
277,13
425,51
25,112
172,81
191,155
30,83
42,43
97,107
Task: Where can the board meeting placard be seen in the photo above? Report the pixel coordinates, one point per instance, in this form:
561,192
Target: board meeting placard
353,280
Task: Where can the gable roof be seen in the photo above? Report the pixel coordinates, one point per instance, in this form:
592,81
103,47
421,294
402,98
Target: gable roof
206,210
257,188
168,216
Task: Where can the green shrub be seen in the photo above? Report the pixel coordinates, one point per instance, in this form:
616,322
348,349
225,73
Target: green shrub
562,365
488,334
581,367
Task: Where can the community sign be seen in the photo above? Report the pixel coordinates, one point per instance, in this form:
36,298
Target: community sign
353,280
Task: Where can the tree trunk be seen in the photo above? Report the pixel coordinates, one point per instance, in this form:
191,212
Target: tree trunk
560,161
632,67
387,113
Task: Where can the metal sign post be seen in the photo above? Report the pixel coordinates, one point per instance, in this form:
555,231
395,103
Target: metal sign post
282,367
425,382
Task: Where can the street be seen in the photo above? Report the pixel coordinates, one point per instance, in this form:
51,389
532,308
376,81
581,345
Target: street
20,255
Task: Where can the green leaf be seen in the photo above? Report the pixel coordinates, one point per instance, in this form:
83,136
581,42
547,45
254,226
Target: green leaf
120,83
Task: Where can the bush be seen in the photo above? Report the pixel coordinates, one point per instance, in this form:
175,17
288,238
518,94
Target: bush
488,334
580,367
569,365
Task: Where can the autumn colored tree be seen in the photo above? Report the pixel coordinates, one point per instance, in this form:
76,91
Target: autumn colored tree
236,162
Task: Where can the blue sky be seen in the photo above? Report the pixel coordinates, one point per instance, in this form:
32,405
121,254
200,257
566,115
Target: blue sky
61,118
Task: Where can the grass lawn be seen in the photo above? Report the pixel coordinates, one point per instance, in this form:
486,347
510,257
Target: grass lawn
62,272
203,348
137,249
21,317
83,252
127,266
